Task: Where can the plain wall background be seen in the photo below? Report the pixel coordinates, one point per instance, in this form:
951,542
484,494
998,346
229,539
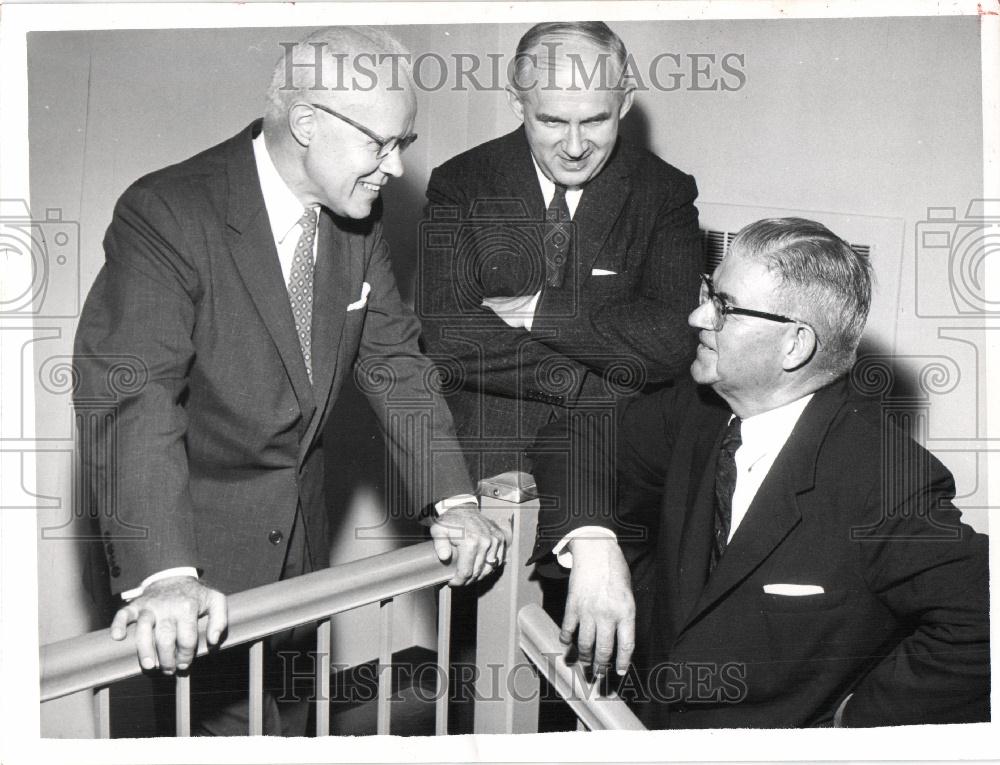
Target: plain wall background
847,119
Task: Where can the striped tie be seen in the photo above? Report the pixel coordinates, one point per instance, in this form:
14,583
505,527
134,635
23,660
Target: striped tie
725,485
300,286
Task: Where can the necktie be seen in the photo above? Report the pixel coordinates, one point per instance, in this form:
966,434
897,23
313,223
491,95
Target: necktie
725,485
300,286
557,238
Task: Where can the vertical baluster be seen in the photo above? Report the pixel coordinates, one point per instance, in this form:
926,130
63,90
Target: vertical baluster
182,705
384,666
102,712
323,643
257,688
443,661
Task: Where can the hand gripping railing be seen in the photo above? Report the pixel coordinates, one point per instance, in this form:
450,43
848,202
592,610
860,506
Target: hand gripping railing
539,639
95,660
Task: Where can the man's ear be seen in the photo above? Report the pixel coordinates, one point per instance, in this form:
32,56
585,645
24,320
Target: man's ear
800,347
515,103
627,99
302,123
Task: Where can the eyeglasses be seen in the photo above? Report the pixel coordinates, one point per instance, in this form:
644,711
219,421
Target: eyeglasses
721,308
385,146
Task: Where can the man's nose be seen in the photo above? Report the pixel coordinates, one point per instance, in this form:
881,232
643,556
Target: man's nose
392,164
573,142
702,317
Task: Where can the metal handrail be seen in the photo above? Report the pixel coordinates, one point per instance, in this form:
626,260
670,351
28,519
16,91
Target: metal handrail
94,659
539,639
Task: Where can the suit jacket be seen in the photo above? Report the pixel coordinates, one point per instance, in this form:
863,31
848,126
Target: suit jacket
202,453
849,505
595,338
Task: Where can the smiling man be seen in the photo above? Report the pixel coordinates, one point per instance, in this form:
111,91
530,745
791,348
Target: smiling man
573,262
245,285
809,567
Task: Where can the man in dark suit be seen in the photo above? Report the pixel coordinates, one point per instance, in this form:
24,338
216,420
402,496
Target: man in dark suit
242,287
558,262
808,566
532,333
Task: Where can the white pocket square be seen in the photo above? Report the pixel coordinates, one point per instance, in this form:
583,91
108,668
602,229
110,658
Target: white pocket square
603,272
360,302
794,590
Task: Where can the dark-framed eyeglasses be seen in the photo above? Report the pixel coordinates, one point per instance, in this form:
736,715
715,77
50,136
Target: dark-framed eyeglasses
721,309
384,146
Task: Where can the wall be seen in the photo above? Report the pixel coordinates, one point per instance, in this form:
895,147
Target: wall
849,119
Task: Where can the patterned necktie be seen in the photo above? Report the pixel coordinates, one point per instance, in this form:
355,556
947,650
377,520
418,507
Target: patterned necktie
557,238
300,286
725,485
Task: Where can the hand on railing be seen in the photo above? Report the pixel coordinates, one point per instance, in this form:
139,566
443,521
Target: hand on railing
599,604
479,543
166,621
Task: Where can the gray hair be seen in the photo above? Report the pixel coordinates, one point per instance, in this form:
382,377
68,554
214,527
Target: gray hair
823,280
324,62
552,34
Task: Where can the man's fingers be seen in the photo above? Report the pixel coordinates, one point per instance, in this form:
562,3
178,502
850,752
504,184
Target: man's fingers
218,616
442,544
165,634
570,622
465,561
187,641
479,559
585,640
125,616
626,644
144,647
604,644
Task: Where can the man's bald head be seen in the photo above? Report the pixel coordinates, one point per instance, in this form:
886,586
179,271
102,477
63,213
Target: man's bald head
340,112
338,67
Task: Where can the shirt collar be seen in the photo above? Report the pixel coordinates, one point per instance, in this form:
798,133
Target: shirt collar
767,432
283,208
549,188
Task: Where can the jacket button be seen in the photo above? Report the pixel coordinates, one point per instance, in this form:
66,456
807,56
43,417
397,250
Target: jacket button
116,571
275,537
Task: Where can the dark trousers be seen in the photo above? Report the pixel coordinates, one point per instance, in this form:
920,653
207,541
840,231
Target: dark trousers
220,681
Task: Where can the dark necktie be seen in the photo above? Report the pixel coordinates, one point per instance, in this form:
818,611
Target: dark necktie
725,485
300,286
557,238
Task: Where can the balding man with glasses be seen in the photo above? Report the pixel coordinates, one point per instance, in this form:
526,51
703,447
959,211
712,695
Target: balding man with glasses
246,285
808,567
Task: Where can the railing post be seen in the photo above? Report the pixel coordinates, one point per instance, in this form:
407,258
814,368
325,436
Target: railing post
507,687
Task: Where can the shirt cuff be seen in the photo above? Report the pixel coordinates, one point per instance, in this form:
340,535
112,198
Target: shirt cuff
838,717
440,508
135,592
564,557
529,311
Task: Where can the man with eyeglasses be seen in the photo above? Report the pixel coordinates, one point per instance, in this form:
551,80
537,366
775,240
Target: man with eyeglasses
808,567
245,285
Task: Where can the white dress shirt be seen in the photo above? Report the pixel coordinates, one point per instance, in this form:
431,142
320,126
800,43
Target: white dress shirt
763,437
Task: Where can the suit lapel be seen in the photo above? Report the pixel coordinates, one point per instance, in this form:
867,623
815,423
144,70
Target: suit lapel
774,511
518,178
699,522
600,206
252,246
339,270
